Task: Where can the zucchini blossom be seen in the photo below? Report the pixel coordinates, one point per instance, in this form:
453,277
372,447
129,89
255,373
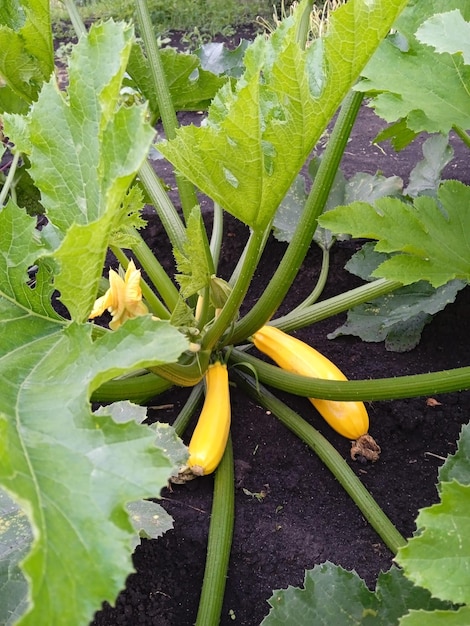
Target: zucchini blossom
123,298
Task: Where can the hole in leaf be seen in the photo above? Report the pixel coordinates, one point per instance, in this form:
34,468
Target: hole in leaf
230,177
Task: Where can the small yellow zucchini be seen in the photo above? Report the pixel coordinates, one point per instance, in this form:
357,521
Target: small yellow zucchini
349,419
210,436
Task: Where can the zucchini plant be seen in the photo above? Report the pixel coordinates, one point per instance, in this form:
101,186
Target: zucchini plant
77,179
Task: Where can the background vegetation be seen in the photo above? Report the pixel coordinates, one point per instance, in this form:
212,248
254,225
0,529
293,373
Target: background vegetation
207,16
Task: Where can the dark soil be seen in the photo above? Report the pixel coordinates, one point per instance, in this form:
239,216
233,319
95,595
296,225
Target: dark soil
305,517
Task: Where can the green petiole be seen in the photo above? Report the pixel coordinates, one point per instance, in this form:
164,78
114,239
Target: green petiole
413,386
329,456
137,389
240,287
165,209
165,105
337,304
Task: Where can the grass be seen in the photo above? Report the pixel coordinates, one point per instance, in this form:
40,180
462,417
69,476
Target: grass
204,16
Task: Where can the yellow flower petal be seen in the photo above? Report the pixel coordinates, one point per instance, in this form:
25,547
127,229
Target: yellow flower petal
123,298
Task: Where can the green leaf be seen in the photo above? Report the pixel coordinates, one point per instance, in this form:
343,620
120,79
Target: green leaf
149,519
413,81
431,234
21,247
15,542
361,186
447,32
195,273
26,51
438,558
215,57
258,136
85,150
457,466
369,187
460,617
399,317
332,595
130,218
425,177
191,86
72,471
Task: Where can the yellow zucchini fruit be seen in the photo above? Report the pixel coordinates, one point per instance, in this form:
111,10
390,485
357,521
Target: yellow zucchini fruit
210,436
349,419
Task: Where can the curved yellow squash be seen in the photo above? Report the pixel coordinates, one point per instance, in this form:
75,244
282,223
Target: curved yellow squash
349,419
210,436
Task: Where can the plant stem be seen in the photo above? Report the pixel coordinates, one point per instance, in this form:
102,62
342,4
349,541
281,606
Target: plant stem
9,179
134,388
181,422
321,282
219,543
337,304
165,209
154,303
165,105
304,24
75,17
445,381
229,311
285,274
464,136
330,457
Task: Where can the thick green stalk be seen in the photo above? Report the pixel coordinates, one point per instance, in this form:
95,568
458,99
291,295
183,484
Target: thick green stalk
446,381
165,209
165,105
137,389
285,274
330,457
219,543
154,303
230,310
318,289
337,304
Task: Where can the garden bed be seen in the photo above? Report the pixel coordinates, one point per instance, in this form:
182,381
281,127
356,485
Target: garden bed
290,512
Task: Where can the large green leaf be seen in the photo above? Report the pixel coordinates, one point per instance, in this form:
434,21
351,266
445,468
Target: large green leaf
397,318
413,81
332,595
258,136
447,32
85,150
26,51
72,471
431,234
191,87
15,542
438,557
